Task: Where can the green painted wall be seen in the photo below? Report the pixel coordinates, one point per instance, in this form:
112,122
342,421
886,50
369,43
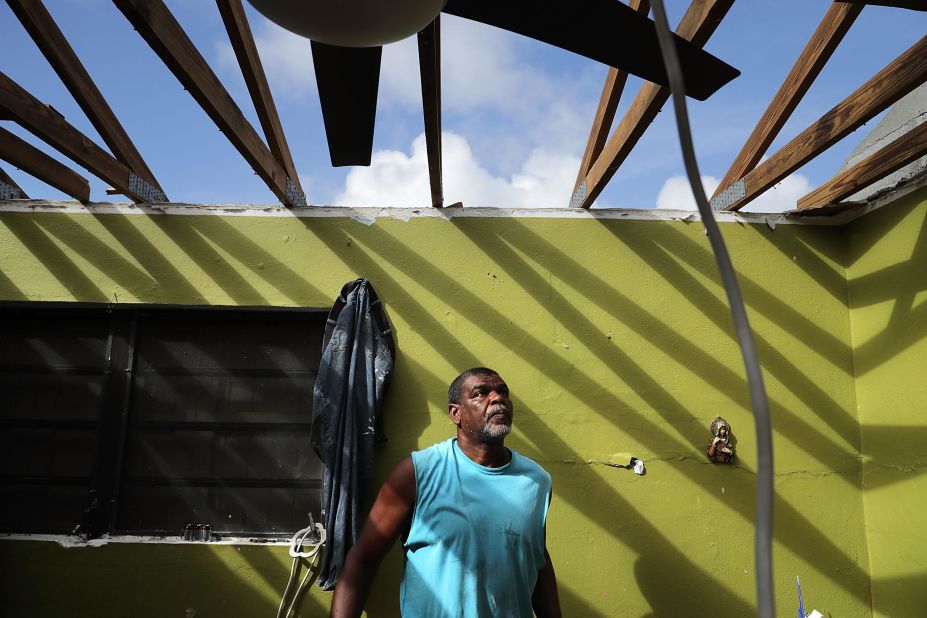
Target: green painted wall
887,276
614,336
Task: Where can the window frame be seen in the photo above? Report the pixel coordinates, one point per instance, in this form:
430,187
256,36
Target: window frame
108,473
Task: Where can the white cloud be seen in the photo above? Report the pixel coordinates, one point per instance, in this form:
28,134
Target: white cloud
675,194
479,67
781,197
285,56
508,104
396,179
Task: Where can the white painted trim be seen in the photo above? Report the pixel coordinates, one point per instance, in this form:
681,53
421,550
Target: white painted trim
369,215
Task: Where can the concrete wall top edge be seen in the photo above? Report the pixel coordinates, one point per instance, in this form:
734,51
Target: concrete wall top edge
369,215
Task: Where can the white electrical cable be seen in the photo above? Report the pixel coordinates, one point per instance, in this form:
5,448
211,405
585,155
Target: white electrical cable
764,457
312,536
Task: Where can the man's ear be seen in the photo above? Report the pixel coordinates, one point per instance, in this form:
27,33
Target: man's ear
453,410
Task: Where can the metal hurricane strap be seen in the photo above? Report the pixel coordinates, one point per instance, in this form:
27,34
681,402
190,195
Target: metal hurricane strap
731,195
9,192
144,190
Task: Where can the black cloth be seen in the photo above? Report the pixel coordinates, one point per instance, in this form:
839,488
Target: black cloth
356,366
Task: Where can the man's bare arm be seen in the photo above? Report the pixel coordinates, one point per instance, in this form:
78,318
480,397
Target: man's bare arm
545,601
388,517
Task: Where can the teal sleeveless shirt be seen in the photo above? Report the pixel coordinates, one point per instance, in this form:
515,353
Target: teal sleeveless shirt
476,542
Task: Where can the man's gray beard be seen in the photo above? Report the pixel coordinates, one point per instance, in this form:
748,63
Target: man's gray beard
490,432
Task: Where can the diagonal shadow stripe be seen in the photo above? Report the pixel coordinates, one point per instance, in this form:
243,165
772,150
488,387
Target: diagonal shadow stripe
9,291
643,537
40,245
797,533
862,238
823,448
127,233
776,364
756,297
256,259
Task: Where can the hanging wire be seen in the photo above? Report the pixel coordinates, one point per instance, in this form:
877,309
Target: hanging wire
764,472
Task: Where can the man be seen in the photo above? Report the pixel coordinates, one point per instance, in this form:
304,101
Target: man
471,514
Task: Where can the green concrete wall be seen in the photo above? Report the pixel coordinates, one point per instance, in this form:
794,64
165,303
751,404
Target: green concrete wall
614,336
887,277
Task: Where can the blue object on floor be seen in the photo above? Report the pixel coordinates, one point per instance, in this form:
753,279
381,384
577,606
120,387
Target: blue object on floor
801,603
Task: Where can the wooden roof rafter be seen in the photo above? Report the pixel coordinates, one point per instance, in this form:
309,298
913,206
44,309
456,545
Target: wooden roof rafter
911,146
47,124
157,25
271,159
697,25
615,81
914,5
429,59
898,78
36,163
242,40
825,39
40,25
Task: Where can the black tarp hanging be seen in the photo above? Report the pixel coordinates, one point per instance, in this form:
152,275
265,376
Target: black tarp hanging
357,362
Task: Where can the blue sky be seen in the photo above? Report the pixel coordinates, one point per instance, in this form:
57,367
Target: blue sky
516,113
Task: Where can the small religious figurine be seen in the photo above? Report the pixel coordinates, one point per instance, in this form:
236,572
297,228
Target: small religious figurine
721,449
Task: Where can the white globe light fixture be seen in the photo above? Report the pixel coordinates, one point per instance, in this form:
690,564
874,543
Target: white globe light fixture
351,23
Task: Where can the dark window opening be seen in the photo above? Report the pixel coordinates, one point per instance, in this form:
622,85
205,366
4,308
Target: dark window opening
140,421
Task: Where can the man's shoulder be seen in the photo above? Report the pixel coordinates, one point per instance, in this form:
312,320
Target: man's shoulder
435,451
443,446
529,465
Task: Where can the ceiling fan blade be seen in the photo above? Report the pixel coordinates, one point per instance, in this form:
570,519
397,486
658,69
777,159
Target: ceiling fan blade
604,30
348,79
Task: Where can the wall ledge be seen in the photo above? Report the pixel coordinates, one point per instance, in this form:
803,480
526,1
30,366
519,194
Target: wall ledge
71,541
369,215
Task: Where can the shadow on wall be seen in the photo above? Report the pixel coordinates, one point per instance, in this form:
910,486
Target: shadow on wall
794,530
39,243
145,581
154,580
521,253
899,283
667,337
887,262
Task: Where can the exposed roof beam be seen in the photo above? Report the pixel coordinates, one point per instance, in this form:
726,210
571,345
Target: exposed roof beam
916,5
36,163
9,190
697,25
51,127
834,25
907,148
429,60
157,26
897,79
608,105
236,24
59,53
